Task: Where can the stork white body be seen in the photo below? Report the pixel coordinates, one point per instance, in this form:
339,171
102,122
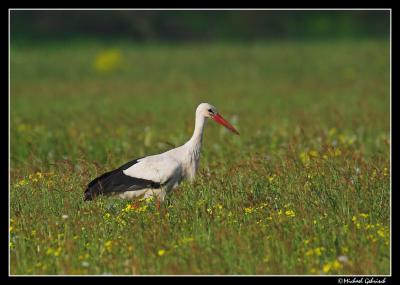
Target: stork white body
158,174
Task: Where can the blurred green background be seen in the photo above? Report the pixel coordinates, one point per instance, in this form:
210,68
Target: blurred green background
202,25
304,189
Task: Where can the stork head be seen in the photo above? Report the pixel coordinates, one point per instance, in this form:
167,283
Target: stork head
209,111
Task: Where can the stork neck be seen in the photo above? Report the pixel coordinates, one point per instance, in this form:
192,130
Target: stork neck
193,147
197,136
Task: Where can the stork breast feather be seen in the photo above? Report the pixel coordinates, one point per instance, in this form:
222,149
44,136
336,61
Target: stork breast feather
157,170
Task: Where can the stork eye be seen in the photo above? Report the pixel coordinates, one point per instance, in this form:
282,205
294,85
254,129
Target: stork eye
211,111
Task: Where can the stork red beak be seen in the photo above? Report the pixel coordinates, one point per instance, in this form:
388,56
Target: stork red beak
218,118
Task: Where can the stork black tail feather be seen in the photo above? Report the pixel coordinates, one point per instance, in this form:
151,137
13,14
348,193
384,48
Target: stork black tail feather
88,195
116,181
96,186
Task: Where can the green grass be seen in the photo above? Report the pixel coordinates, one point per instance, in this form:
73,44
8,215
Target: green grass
305,186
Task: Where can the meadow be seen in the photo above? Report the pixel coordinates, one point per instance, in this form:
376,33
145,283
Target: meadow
304,189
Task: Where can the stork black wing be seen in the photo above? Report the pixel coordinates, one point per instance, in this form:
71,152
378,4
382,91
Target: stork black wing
117,181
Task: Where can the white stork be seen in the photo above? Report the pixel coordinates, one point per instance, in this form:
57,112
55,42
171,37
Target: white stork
158,174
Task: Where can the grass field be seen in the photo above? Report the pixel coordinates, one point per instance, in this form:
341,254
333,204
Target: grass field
305,188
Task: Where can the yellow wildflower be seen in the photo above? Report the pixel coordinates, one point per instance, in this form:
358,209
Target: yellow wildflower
142,209
326,267
49,251
337,152
332,132
305,158
381,232
57,252
271,177
127,208
108,245
290,213
248,210
318,250
81,257
335,265
263,205
21,183
385,171
309,252
364,215
107,60
161,252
